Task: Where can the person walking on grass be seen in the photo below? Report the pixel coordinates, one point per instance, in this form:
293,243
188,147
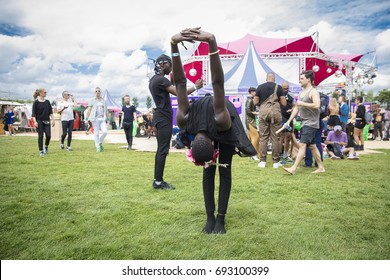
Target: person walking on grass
308,105
270,97
360,123
42,114
65,108
160,88
212,128
129,115
10,119
97,113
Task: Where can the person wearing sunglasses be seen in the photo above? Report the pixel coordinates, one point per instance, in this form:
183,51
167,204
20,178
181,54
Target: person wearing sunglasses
97,113
65,109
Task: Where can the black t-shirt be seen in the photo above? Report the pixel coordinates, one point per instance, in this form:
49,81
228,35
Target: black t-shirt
289,105
161,98
42,110
265,90
201,117
128,113
360,111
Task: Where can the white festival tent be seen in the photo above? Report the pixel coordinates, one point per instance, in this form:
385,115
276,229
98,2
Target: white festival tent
249,71
111,104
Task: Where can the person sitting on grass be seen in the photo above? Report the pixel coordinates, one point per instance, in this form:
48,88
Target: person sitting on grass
213,125
337,145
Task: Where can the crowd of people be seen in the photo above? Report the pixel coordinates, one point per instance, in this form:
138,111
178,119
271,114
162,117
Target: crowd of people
211,128
272,115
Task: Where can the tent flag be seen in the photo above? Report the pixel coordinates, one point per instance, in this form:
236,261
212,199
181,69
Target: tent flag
250,71
110,102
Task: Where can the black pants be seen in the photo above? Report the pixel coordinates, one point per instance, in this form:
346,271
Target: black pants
67,129
378,130
128,129
43,128
164,135
226,153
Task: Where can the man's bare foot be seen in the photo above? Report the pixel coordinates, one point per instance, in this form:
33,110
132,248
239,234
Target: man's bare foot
289,170
319,170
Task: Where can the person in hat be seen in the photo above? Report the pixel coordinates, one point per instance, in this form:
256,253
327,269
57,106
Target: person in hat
160,88
337,144
212,129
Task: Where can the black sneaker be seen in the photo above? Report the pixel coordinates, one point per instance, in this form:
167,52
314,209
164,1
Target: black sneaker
164,185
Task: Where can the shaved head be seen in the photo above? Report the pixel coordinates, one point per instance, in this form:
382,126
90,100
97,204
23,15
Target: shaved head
285,86
270,77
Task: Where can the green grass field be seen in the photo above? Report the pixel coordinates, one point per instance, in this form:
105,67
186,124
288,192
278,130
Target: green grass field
87,205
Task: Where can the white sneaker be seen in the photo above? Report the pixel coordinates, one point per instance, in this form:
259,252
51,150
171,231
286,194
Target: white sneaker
255,158
277,165
262,164
352,157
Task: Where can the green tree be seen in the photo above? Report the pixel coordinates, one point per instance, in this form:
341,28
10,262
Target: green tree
370,96
148,102
384,96
135,102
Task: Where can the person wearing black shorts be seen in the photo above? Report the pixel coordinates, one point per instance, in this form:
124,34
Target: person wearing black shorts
308,105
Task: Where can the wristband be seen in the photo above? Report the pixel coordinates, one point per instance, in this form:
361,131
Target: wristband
175,54
217,51
173,42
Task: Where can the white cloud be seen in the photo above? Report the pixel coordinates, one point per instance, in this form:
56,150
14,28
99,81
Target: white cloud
382,40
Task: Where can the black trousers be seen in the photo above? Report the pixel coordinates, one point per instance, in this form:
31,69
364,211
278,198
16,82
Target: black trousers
128,129
226,153
378,130
164,135
67,129
43,128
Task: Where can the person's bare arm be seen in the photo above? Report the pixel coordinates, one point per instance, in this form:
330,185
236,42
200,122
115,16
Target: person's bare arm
180,81
283,101
222,116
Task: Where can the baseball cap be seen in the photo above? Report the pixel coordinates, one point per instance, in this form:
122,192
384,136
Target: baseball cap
337,128
163,58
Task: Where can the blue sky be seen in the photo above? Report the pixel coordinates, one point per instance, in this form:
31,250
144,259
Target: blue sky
77,45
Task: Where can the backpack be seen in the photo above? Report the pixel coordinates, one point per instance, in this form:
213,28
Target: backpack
368,117
323,105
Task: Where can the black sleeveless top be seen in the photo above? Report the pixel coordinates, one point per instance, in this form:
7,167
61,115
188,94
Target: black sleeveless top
201,118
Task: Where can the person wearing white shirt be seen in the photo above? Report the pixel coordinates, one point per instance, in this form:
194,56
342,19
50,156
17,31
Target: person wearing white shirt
65,108
97,114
